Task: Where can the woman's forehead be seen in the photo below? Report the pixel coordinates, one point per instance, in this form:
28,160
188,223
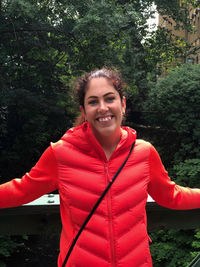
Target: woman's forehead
97,84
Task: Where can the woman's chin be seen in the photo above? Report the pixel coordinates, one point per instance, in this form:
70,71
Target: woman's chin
107,131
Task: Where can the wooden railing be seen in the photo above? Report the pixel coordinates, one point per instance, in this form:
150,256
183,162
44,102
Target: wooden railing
42,216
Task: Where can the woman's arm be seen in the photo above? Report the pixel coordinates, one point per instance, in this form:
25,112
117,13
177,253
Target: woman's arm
165,192
40,180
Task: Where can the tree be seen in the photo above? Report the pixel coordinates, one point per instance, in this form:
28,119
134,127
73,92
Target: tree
34,101
44,46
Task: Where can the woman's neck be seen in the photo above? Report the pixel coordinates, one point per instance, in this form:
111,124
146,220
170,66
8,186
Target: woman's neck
109,144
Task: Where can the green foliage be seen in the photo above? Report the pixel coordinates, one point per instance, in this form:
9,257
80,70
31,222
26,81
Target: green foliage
187,173
174,248
163,50
44,46
7,246
196,242
174,103
36,105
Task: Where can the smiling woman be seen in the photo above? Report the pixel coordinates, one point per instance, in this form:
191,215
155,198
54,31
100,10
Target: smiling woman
103,109
103,105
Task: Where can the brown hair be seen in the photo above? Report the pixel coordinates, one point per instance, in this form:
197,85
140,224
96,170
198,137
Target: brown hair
82,85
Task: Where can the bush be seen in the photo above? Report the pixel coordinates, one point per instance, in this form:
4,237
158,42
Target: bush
173,248
7,246
187,173
174,103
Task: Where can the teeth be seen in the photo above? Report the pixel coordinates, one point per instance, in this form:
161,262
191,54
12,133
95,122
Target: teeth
105,119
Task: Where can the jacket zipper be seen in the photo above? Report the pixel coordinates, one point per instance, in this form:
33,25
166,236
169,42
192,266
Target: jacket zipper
113,260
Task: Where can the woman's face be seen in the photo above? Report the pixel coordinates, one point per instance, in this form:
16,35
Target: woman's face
103,108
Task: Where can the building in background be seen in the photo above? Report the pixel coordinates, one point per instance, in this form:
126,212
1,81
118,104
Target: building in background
191,38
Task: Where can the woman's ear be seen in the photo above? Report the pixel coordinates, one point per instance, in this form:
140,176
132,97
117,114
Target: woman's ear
123,105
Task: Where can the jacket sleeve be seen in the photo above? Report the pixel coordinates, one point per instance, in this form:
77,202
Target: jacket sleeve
165,192
40,180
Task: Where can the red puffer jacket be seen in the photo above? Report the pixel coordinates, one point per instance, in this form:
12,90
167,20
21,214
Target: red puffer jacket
76,165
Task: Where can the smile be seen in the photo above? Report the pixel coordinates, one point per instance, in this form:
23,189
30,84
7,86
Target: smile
104,119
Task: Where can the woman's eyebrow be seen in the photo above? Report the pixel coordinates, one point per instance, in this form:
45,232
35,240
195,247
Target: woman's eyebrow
109,93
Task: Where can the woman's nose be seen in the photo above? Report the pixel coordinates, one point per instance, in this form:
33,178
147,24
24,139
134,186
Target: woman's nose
102,106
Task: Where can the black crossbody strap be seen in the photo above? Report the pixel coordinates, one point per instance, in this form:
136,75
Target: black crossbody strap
95,207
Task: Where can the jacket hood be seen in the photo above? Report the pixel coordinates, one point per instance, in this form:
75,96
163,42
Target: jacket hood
83,139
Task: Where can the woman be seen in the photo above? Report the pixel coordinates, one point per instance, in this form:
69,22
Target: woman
80,166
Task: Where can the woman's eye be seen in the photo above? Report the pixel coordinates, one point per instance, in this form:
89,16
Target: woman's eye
92,102
110,99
